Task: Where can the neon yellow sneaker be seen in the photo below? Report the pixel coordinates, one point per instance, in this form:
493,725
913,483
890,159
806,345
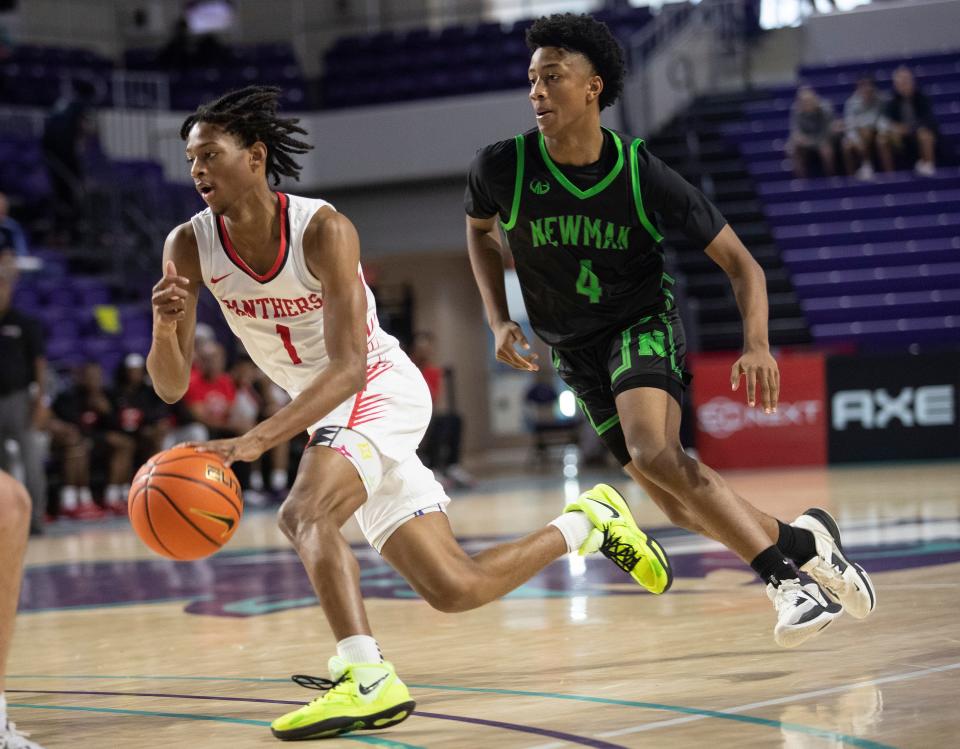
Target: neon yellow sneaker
618,537
359,697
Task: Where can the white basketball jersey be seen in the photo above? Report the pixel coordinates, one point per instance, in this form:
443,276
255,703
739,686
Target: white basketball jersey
278,315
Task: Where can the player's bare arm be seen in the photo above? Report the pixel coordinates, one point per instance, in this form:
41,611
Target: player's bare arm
332,250
749,283
175,315
486,259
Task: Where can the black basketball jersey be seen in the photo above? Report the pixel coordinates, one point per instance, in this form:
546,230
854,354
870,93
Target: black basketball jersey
588,257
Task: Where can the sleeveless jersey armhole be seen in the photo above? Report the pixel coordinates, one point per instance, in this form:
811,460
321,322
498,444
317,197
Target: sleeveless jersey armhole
637,198
517,185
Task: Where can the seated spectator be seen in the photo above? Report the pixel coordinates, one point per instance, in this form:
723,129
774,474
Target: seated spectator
184,427
78,427
140,423
862,114
908,125
811,132
257,398
440,447
211,392
12,238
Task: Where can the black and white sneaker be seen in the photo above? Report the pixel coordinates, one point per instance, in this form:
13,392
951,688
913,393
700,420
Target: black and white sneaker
802,611
844,581
11,738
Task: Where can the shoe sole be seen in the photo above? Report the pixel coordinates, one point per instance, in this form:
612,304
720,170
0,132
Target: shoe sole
826,520
336,726
794,636
651,543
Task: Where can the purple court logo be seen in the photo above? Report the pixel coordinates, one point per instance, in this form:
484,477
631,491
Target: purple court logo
264,581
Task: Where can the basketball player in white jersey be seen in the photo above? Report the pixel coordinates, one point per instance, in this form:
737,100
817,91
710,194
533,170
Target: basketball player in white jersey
286,273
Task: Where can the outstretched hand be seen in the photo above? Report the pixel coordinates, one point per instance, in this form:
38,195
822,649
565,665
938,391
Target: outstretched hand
507,336
758,367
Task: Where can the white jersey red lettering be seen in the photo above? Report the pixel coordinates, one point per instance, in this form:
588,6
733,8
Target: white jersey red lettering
278,315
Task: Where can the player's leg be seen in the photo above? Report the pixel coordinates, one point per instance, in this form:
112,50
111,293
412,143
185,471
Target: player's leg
325,493
14,527
363,691
676,512
651,426
425,551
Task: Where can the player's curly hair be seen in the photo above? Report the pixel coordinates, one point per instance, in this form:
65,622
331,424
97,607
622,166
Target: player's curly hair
251,114
591,38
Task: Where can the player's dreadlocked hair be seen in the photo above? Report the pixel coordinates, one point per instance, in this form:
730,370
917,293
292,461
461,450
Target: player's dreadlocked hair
251,114
591,38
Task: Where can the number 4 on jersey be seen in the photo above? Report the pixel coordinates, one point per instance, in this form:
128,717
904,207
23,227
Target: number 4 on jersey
587,283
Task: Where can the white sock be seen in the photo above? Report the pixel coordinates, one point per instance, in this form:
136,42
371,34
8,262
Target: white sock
3,711
359,649
575,527
86,497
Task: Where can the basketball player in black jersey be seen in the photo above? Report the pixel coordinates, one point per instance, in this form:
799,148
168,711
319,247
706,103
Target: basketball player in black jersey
581,207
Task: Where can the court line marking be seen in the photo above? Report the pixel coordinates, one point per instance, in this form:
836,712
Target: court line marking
693,713
215,718
569,738
905,676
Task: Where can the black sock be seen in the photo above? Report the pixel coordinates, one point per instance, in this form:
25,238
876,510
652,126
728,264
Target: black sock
772,566
797,544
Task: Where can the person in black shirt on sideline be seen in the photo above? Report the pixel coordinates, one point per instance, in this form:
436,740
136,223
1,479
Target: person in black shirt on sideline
581,207
22,399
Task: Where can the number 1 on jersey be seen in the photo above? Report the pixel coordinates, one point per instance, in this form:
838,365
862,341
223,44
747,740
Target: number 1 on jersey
587,283
284,332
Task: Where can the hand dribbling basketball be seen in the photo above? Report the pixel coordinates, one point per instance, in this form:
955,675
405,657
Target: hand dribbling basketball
185,504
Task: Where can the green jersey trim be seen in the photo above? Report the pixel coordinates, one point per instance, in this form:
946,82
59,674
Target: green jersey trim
637,199
572,188
517,186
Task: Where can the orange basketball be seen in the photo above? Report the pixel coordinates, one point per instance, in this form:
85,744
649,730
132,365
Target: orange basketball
185,504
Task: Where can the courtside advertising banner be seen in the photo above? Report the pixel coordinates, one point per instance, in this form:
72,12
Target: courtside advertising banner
731,434
893,407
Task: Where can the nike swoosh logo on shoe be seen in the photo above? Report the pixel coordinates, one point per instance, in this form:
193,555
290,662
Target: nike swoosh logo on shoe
613,510
367,688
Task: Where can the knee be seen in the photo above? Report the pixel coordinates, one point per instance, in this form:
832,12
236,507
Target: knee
14,502
655,460
452,594
298,515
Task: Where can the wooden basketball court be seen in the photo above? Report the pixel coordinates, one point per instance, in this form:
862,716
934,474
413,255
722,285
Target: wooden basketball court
116,647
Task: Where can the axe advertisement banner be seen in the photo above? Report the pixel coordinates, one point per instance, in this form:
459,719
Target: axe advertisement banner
893,407
731,434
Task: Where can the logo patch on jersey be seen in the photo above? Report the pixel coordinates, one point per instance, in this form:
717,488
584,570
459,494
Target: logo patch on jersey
539,186
217,279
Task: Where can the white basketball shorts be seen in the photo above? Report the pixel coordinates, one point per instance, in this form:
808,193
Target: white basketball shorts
379,430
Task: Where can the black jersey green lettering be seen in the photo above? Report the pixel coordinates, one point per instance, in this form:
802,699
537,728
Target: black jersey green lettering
588,258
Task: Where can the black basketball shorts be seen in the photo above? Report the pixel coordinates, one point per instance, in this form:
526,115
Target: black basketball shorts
649,353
